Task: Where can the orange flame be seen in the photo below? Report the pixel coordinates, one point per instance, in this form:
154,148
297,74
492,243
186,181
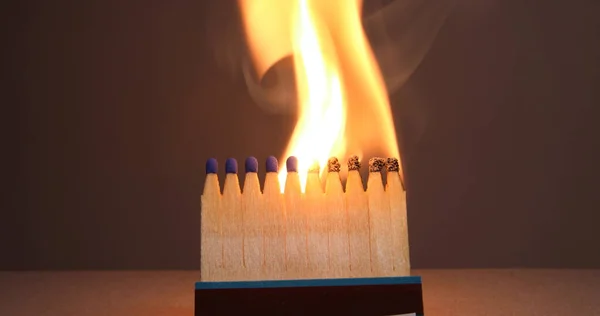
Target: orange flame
342,102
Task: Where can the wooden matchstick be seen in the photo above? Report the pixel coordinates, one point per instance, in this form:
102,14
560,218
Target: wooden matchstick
252,206
273,225
337,222
397,198
296,242
358,222
232,228
380,221
295,235
210,223
316,226
276,253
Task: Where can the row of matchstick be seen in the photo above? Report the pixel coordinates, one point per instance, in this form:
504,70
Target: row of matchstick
328,233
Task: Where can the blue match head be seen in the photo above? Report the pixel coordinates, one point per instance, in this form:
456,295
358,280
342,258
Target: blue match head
292,164
251,164
231,165
272,164
212,166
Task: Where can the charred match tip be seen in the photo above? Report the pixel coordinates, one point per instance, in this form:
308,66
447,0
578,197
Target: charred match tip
353,163
333,165
231,165
291,164
212,166
392,165
315,168
272,164
251,164
376,164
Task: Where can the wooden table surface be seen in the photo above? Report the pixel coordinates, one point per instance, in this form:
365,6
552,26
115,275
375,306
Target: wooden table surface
170,293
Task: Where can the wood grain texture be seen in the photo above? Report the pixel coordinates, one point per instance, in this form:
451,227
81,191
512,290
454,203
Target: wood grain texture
273,229
252,207
232,229
211,258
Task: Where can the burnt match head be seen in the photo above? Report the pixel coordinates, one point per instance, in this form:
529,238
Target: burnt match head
333,165
251,164
272,164
231,165
353,163
291,164
392,165
376,164
212,166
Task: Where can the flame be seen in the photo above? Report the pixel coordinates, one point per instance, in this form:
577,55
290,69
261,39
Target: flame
343,107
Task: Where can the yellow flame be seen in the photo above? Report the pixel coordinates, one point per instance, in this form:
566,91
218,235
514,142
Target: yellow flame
320,129
342,103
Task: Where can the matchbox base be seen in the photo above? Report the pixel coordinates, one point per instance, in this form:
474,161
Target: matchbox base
360,296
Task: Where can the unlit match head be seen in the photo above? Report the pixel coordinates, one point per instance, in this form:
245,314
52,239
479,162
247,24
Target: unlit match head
376,164
353,163
292,164
272,165
251,165
333,165
231,165
392,165
212,166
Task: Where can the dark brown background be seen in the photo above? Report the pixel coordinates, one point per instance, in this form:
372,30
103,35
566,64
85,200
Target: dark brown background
111,108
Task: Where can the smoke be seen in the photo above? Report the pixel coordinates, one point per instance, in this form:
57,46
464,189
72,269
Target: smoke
401,33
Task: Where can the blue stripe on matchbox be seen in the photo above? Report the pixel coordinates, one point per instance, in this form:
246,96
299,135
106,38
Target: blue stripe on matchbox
307,283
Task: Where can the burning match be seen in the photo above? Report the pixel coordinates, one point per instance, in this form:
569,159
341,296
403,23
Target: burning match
319,234
254,243
305,238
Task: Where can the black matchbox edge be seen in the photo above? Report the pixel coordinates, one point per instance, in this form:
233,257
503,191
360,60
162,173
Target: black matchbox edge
362,296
